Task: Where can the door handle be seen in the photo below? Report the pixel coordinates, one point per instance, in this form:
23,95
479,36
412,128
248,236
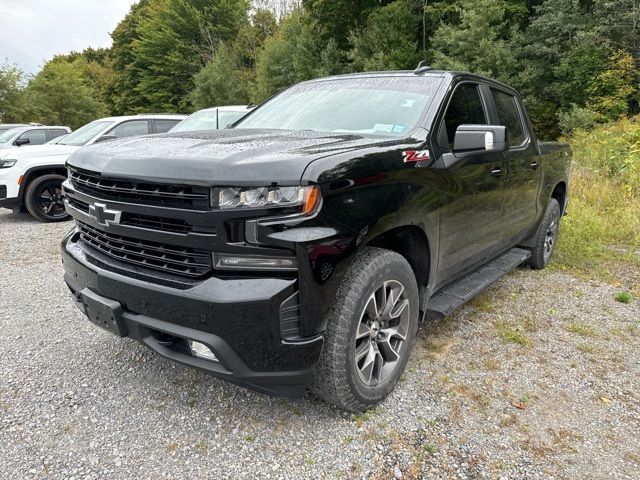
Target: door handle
535,164
497,172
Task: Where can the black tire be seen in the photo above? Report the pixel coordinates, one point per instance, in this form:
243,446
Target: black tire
43,198
546,237
339,377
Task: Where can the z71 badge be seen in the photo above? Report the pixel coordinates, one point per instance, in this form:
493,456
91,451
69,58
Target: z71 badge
415,155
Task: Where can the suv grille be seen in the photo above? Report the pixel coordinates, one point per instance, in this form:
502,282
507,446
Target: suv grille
177,196
159,256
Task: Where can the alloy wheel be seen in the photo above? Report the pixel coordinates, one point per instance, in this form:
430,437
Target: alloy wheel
382,332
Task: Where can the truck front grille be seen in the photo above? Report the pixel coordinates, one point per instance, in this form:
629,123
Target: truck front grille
175,196
151,222
158,256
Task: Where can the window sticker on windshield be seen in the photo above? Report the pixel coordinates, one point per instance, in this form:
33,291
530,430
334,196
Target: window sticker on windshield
408,103
398,128
383,127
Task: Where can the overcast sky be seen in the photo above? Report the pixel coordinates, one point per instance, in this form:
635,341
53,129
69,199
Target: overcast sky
33,31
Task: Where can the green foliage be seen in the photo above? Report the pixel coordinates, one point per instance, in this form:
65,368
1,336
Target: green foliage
223,81
11,94
603,224
59,95
162,44
615,88
123,97
576,118
574,61
388,39
479,42
289,56
624,297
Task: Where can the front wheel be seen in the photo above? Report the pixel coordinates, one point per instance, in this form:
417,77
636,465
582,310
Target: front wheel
546,237
43,198
370,331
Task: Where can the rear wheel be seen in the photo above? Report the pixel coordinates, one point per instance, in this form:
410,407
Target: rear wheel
370,332
546,236
43,198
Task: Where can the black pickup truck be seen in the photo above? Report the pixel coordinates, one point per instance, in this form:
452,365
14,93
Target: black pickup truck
303,246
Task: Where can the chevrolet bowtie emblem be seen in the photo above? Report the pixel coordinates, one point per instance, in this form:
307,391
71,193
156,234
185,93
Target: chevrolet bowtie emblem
104,216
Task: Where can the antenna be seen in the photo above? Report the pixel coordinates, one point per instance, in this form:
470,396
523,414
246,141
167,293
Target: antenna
422,68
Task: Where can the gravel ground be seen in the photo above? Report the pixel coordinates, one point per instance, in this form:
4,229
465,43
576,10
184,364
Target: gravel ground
537,378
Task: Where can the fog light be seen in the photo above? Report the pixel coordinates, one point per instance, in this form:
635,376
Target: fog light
200,350
253,262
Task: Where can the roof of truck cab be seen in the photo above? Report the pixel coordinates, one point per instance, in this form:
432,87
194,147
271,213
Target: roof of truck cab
411,73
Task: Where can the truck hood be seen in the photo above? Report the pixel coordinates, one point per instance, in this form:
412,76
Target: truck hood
240,157
38,151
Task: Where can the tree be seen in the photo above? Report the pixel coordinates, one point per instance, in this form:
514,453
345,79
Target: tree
11,94
121,90
175,42
223,81
58,95
291,55
615,88
388,39
479,42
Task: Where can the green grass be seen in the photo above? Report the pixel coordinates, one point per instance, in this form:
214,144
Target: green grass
603,226
624,297
511,334
581,329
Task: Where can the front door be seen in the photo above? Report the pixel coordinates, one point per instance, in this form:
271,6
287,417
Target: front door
472,190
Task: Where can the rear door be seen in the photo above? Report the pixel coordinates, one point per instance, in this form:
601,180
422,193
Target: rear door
523,162
472,196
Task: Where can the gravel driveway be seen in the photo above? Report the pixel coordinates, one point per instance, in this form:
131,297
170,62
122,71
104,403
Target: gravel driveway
537,378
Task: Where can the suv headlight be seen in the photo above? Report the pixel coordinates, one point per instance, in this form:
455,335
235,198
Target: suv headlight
7,163
267,197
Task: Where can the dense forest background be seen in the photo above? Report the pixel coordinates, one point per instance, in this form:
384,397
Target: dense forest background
574,61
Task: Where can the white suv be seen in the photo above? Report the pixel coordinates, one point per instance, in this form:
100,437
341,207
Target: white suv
32,177
30,135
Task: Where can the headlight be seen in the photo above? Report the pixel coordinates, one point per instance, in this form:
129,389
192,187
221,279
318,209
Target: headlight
266,197
7,163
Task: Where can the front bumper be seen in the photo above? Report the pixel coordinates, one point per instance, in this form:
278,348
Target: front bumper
239,319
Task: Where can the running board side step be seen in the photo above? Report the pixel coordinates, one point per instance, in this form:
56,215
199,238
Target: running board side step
456,294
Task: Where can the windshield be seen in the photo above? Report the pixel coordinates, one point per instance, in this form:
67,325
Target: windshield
227,118
206,120
8,134
84,134
381,106
202,120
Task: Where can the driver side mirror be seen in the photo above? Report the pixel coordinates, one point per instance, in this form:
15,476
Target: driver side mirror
22,141
480,138
105,138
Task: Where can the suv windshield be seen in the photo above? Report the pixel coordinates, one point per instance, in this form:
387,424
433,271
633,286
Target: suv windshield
380,106
202,120
84,134
8,134
206,120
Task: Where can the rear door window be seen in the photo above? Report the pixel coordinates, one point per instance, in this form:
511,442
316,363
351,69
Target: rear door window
36,137
465,108
163,126
56,132
509,116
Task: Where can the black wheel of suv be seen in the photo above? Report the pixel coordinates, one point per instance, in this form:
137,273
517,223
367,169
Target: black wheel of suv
43,198
370,332
546,237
